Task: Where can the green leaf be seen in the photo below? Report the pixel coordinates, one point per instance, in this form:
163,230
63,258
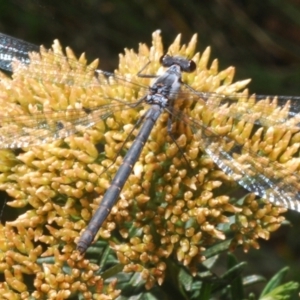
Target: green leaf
236,285
185,279
113,271
217,249
253,279
205,291
275,281
282,292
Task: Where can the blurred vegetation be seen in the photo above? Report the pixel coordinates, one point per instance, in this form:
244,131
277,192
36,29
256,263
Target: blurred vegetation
260,38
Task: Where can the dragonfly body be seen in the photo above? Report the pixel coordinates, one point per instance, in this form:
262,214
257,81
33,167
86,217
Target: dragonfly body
112,193
161,93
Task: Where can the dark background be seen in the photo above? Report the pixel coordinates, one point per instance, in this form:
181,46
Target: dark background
260,38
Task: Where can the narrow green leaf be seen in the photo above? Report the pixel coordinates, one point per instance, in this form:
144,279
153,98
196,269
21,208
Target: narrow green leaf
282,292
185,279
217,249
104,257
275,281
112,272
210,262
236,285
205,291
253,279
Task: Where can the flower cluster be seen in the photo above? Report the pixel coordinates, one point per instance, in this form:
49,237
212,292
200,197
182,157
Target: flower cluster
176,201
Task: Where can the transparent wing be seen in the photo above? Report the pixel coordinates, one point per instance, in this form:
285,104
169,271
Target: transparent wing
265,110
41,128
21,127
12,48
257,173
247,165
48,66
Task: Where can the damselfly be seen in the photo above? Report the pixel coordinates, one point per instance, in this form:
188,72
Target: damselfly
227,127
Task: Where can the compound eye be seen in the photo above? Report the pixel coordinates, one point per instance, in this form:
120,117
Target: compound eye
166,60
184,64
192,66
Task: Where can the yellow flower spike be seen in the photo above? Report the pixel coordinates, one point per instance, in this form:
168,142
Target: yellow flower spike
218,234
3,266
273,227
227,76
289,152
17,257
243,221
202,64
193,251
75,286
176,47
44,193
264,234
187,260
9,295
86,145
260,213
68,235
191,47
270,220
61,278
211,185
275,152
247,131
196,238
150,283
47,239
19,244
18,203
293,164
185,245
83,157
213,70
184,217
